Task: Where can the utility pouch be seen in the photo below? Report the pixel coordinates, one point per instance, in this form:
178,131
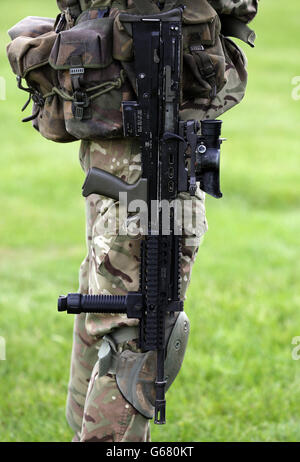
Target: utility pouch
81,67
214,68
91,84
32,26
203,57
232,92
28,54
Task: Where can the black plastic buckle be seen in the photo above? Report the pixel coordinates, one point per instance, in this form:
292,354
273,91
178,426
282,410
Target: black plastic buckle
38,99
81,102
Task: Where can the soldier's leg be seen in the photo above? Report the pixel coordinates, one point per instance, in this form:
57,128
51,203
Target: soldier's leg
84,357
84,353
123,160
108,416
113,268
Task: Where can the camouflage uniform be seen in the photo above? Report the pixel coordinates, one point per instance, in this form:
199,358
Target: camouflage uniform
245,10
96,409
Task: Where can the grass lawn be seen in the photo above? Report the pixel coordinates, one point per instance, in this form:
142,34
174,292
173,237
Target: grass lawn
239,382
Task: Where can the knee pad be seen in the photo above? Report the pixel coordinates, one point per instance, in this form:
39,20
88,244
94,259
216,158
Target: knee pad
136,372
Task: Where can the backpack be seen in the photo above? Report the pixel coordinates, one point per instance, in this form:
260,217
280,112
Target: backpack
80,67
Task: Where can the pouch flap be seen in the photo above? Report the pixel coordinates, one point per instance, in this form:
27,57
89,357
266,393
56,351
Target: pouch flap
197,12
26,53
32,26
203,33
91,41
123,42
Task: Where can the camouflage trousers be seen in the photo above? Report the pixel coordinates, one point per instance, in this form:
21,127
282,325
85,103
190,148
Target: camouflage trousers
96,409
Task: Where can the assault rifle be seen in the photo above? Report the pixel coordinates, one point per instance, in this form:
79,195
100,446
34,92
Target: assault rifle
174,158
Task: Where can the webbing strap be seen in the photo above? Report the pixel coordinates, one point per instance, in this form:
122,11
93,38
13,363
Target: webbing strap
151,6
146,6
233,27
125,334
106,357
84,4
73,7
169,4
206,69
100,4
108,351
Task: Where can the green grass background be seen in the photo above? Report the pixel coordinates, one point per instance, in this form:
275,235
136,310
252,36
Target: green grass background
239,382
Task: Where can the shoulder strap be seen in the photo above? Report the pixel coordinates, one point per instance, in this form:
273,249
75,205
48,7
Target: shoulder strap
146,6
85,4
73,6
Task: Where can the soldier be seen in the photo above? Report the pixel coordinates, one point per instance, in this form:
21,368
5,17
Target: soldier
97,410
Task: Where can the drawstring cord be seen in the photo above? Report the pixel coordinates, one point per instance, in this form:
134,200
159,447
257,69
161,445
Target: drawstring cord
107,87
40,99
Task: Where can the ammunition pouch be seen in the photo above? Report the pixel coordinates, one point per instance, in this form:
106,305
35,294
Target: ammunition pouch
80,68
214,67
76,86
29,57
92,85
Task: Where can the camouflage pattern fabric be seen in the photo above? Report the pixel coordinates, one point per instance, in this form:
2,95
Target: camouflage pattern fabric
28,53
203,69
203,97
31,26
89,45
232,93
74,6
214,72
245,10
96,410
77,6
